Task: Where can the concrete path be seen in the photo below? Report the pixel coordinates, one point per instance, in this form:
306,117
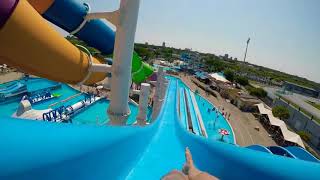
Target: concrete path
10,76
304,105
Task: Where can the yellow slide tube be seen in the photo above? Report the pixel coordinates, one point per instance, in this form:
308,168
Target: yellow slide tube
30,43
41,6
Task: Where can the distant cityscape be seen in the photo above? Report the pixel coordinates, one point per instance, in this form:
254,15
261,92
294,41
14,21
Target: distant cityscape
254,84
251,71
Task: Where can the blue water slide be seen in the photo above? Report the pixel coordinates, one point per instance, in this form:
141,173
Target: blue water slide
156,159
69,14
302,154
12,88
183,111
260,148
193,115
66,151
8,87
281,151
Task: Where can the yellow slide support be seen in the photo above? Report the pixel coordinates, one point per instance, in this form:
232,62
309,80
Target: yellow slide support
30,43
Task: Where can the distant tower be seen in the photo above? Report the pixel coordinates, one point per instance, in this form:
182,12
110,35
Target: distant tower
226,56
164,44
245,54
147,43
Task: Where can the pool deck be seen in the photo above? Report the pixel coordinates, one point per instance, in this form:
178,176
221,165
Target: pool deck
243,123
32,114
10,76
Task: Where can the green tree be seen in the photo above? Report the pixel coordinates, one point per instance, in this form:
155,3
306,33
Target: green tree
141,51
213,64
281,112
229,75
259,92
242,80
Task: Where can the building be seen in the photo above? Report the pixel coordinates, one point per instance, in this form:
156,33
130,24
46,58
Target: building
246,102
164,44
226,57
295,88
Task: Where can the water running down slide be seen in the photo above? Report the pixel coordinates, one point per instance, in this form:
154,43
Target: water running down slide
63,151
164,151
69,14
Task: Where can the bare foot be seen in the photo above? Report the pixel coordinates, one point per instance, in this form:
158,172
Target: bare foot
189,171
192,172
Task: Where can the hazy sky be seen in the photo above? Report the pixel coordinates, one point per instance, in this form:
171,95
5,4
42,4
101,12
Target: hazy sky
285,34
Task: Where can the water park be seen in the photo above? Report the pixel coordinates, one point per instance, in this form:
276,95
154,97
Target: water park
74,115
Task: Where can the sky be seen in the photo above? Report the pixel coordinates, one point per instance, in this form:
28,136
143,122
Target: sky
285,34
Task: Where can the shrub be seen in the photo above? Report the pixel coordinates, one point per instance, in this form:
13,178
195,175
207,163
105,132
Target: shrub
305,135
229,75
281,112
259,92
242,80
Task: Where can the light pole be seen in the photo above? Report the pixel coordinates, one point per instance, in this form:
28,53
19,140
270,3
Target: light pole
245,54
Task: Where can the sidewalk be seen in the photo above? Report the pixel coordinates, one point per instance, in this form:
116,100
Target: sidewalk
10,76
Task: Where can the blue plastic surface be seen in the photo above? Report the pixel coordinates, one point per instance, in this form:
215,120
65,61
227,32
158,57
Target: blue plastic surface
183,111
302,154
281,151
194,119
259,148
42,150
12,88
69,14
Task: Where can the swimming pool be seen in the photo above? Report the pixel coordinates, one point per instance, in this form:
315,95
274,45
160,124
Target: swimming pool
38,84
165,68
96,113
212,121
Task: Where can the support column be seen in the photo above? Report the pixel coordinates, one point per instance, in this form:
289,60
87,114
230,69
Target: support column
157,100
121,69
143,103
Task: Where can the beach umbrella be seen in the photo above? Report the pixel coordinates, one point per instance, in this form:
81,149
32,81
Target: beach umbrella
223,133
